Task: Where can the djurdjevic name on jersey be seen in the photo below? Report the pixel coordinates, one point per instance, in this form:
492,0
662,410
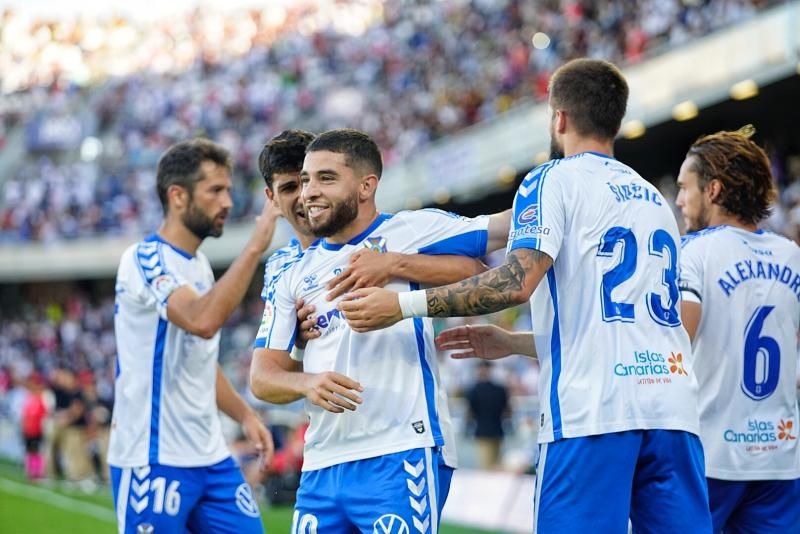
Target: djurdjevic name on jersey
402,406
163,410
613,353
745,350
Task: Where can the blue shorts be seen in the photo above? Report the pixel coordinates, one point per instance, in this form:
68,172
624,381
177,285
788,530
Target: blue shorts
176,499
595,483
397,492
757,506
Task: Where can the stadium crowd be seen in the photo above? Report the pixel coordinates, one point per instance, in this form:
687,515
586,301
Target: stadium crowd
100,99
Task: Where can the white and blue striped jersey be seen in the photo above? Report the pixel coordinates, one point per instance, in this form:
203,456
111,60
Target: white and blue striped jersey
165,409
403,407
745,350
613,353
276,265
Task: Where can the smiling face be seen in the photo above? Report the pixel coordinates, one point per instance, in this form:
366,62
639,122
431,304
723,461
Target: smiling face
209,202
330,192
285,193
694,202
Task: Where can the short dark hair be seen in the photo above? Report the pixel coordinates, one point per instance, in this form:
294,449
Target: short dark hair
359,149
743,169
180,165
593,93
283,153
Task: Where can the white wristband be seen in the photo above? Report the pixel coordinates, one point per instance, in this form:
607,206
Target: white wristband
413,303
297,354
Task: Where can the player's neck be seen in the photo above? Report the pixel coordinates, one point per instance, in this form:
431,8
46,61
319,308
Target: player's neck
579,145
362,221
176,233
719,218
305,240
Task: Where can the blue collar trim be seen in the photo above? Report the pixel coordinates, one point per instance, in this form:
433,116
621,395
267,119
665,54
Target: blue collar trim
360,237
156,237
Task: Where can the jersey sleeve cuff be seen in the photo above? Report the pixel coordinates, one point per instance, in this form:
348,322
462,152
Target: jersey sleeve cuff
691,295
535,244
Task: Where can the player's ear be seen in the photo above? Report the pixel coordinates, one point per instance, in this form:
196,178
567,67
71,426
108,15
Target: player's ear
368,187
177,197
714,189
560,121
270,194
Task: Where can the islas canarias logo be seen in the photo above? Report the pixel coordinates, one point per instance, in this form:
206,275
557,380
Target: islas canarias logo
785,430
647,363
762,431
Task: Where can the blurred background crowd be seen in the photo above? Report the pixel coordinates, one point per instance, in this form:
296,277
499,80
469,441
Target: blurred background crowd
100,98
91,102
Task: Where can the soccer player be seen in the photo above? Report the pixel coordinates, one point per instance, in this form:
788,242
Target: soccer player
741,306
372,453
280,163
171,469
595,248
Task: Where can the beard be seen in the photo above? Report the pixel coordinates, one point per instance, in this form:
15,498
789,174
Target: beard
700,222
556,152
342,214
200,224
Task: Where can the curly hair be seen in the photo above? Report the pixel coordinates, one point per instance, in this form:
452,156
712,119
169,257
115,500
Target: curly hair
743,169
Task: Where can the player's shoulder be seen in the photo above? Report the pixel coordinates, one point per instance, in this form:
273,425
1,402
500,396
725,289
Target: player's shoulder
537,176
287,253
427,214
786,247
690,240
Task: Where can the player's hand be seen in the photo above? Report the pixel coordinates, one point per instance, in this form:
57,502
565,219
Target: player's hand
372,308
261,439
306,324
332,391
265,225
487,342
368,268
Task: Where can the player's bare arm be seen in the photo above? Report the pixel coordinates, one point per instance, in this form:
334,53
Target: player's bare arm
204,315
276,378
232,405
690,316
497,289
485,341
369,268
499,223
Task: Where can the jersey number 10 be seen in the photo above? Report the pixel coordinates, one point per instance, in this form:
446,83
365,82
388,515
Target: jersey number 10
665,314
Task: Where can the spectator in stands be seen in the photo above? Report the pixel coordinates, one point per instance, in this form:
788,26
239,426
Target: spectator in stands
488,408
277,68
34,414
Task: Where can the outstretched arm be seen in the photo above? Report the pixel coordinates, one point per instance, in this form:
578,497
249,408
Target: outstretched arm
485,341
369,268
497,289
204,315
499,225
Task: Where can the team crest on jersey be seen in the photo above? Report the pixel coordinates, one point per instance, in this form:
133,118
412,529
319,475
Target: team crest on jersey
145,528
529,215
164,285
419,427
378,244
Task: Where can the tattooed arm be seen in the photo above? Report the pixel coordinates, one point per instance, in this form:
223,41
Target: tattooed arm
497,289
